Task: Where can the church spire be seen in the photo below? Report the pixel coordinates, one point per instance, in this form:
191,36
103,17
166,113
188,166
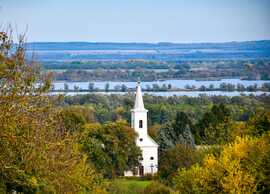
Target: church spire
139,99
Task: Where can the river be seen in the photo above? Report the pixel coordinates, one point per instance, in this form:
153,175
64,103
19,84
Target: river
174,83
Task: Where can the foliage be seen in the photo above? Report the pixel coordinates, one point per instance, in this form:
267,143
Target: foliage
214,128
259,124
163,109
37,153
180,156
153,131
178,132
242,167
111,147
73,119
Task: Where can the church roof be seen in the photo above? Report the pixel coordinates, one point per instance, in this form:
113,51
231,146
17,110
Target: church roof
139,99
147,142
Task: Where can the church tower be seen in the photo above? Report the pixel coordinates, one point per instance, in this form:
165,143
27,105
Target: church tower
149,148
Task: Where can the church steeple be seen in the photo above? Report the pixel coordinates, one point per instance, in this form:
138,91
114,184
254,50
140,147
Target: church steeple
149,148
139,99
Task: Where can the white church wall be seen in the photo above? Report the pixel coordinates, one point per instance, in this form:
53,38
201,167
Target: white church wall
150,164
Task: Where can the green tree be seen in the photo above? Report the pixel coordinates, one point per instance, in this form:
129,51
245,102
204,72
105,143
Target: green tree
75,117
111,147
107,87
259,124
214,126
66,88
124,88
178,132
180,156
91,86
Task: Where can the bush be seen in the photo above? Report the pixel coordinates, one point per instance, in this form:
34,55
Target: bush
242,167
157,188
149,176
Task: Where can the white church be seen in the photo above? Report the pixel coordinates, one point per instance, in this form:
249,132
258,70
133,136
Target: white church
149,148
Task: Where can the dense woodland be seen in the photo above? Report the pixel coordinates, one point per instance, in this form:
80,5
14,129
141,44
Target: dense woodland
83,144
147,70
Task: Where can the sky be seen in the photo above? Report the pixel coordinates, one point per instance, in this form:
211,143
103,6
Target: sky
181,21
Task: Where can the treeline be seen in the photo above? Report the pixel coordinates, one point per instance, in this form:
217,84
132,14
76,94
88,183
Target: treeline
228,87
153,64
112,107
119,75
232,87
129,64
152,70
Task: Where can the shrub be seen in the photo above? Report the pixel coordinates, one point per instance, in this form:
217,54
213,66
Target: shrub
242,167
157,188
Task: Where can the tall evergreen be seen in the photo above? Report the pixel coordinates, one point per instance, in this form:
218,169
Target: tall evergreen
177,132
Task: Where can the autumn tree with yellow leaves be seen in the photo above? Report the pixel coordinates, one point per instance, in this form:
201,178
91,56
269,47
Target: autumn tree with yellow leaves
242,167
37,153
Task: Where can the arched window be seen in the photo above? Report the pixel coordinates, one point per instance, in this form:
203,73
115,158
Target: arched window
140,124
152,158
141,139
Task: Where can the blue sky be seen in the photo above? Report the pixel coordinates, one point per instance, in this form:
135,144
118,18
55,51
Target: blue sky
138,20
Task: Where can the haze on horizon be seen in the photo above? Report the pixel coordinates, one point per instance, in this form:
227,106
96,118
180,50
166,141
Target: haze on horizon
138,21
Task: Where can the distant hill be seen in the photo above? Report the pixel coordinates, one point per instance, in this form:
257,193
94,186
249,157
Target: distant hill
248,45
149,51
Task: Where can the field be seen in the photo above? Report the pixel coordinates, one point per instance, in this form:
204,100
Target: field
128,186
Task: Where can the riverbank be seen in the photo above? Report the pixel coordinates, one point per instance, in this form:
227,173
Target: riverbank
167,94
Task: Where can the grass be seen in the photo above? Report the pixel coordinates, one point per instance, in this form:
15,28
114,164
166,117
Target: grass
128,186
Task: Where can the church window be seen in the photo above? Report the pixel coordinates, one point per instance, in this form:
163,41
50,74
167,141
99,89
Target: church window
152,158
141,139
140,124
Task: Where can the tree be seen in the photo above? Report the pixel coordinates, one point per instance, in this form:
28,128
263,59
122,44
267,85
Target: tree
259,124
91,86
203,88
123,88
107,87
37,153
242,167
73,118
214,125
66,88
76,88
178,132
180,156
155,87
111,148
211,87
117,87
